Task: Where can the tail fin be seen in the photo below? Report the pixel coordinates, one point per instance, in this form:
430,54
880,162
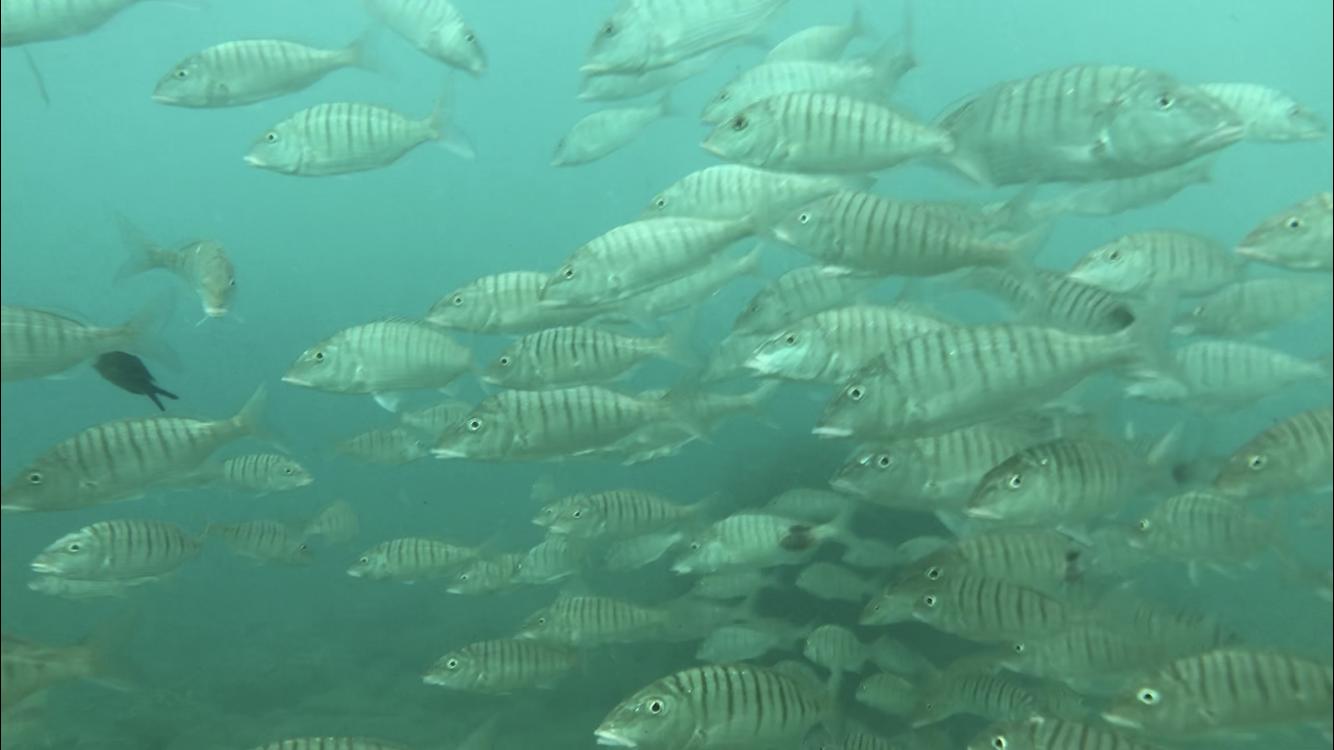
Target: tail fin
355,54
250,419
483,737
444,130
665,106
893,59
1145,339
674,345
142,254
140,334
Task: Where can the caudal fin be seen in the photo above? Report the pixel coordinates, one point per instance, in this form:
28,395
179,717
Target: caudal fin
141,253
250,419
141,334
444,130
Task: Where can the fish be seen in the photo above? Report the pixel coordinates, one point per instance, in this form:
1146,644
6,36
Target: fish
38,343
1298,237
887,693
1226,689
264,541
1291,457
343,137
78,589
436,28
976,693
642,35
826,42
717,706
738,583
118,550
203,264
381,357
411,559
613,514
393,446
823,133
1253,306
258,473
576,355
487,575
586,621
505,303
832,582
28,21
620,85
1199,526
867,234
1084,123
126,458
692,289
731,192
250,70
606,131
1049,733
832,345
798,294
838,649
130,374
557,423
1266,113
1053,298
634,257
746,641
1087,653
973,606
1183,263
332,743
433,420
556,558
28,668
499,667
1111,197
336,523
809,504
756,539
1041,558
872,78
1219,374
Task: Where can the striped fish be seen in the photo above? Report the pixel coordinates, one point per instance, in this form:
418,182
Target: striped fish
124,459
1161,261
825,580
1085,122
887,693
830,346
574,355
1044,559
118,550
989,609
1053,298
1291,457
824,42
685,292
410,559
79,589
203,264
1087,652
717,706
869,234
504,303
501,666
630,84
527,425
342,137
27,21
745,641
264,541
642,35
1298,237
486,575
1111,197
1254,306
28,668
730,192
332,743
555,558
975,693
262,473
1204,527
634,257
798,294
434,420
386,355
836,648
1266,113
386,445
336,523
1227,689
612,513
247,71
1046,733
436,28
756,539
823,134
586,621
36,343
1220,374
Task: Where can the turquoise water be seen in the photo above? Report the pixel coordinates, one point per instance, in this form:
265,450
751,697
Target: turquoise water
229,654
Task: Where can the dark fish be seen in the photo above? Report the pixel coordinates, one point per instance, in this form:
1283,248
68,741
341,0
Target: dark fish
128,373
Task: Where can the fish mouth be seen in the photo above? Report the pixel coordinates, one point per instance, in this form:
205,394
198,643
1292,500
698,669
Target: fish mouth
164,98
711,148
215,312
1122,721
613,739
1224,136
448,453
294,380
831,432
41,567
355,573
254,160
783,235
988,514
839,484
682,569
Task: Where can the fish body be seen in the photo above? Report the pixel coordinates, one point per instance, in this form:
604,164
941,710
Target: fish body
825,42
823,133
685,292
1254,305
593,620
128,372
572,355
831,582
336,523
1201,526
393,446
37,343
501,666
729,192
830,346
386,355
554,559
248,71
613,513
202,264
1111,197
982,694
1180,263
1292,456
1222,373
798,294
487,575
504,303
744,641
264,541
642,35
27,668
78,589
27,21
605,132
1299,237
751,539
1266,113
1054,298
261,473
125,458
436,28
1050,733
433,420
411,559
1040,558
118,550
866,79
628,84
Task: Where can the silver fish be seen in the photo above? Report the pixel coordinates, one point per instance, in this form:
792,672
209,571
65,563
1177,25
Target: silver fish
1266,113
605,132
436,28
384,356
118,550
1300,237
251,70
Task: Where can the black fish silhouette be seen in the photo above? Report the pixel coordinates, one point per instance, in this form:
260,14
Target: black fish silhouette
128,372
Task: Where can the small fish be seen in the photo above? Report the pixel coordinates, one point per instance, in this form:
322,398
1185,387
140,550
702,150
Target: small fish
605,132
838,649
261,473
1111,197
264,541
556,558
798,294
1266,113
832,345
342,137
731,584
336,523
746,641
436,28
689,291
27,21
505,303
381,357
1049,733
576,355
888,693
332,743
613,513
975,693
118,550
393,446
620,85
37,343
751,539
1290,457
434,420
1044,559
29,668
823,133
128,372
1299,237
729,192
586,621
1054,298
502,666
1204,527
638,551
809,504
248,71
1179,263
411,559
488,575
1254,306
203,264
820,42
1220,374
825,580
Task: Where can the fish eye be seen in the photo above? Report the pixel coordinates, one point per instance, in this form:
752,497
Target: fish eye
724,95
319,356
1165,101
452,664
1148,696
463,577
1294,222
577,514
790,338
303,547
803,218
457,300
655,706
1019,648
609,29
929,600
364,560
1144,524
474,424
884,461
541,621
694,545
1015,481
1257,461
660,202
999,742
1114,255
567,272
504,361
232,282
287,470
271,137
182,73
469,37
73,547
933,573
739,123
856,392
35,478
